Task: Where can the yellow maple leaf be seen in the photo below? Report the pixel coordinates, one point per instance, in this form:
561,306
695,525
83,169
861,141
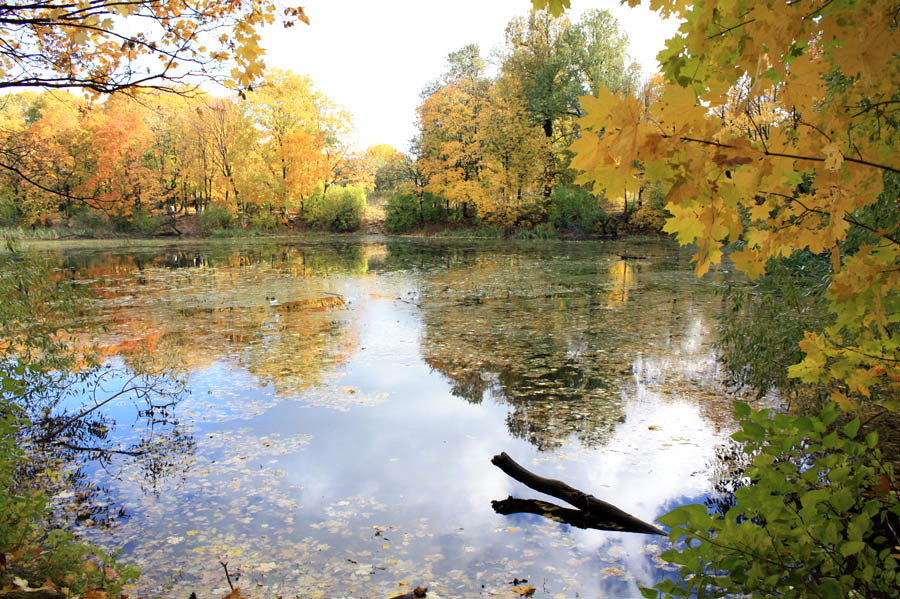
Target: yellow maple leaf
833,157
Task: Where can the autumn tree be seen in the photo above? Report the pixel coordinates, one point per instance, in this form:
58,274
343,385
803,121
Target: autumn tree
799,166
554,62
391,167
513,148
46,153
776,134
286,110
230,138
121,141
448,117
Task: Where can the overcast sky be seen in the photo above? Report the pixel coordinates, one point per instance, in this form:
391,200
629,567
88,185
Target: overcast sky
375,56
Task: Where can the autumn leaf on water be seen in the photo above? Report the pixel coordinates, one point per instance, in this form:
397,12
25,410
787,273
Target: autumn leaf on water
525,590
235,594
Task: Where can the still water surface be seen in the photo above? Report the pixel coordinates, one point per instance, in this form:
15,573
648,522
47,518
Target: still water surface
346,398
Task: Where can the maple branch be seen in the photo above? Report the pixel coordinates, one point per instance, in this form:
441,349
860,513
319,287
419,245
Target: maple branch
25,177
858,351
847,219
874,105
719,144
814,128
730,29
818,10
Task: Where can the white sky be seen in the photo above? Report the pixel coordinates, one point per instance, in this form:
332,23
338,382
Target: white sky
375,56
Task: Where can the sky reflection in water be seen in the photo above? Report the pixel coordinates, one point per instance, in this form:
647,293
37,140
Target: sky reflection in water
342,450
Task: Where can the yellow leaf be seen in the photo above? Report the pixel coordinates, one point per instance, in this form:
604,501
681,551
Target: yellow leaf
524,590
833,157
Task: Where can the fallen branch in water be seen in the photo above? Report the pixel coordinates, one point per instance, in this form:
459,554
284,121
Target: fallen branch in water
606,515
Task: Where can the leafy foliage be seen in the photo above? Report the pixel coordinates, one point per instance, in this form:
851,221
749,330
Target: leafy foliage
95,46
575,210
820,518
495,147
338,209
216,217
782,150
164,154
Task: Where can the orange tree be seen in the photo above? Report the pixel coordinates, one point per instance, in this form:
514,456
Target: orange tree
105,46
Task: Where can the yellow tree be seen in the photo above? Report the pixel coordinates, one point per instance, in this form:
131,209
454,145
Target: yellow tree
230,137
285,109
391,167
175,147
451,156
513,149
815,84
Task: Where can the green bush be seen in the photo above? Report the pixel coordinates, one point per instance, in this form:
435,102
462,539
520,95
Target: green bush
136,221
819,517
575,210
10,215
215,218
340,209
402,212
88,220
265,220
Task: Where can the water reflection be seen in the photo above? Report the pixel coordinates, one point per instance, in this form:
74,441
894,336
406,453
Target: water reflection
347,399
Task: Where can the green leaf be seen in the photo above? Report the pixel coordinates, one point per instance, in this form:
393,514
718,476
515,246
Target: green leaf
852,428
754,431
831,589
851,547
741,410
649,593
872,440
842,500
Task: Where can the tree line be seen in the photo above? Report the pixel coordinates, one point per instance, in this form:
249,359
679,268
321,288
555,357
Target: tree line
494,132
266,155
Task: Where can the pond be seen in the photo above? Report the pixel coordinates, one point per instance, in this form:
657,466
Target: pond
345,399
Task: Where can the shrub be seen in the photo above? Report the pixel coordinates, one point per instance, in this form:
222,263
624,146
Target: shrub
264,221
651,213
138,220
575,210
340,209
215,217
819,517
402,212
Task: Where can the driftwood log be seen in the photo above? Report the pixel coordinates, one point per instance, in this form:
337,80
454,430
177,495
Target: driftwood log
593,509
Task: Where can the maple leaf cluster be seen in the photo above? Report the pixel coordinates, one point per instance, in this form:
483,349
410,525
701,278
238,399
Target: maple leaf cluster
773,131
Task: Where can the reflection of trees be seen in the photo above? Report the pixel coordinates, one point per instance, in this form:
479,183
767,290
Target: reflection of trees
553,339
60,395
269,308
